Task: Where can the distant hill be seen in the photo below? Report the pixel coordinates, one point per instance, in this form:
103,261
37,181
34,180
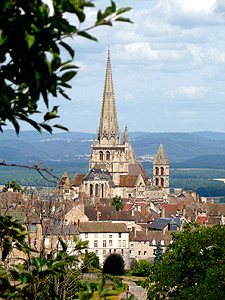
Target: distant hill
31,146
204,161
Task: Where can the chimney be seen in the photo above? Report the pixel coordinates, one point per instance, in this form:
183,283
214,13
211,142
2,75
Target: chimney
163,212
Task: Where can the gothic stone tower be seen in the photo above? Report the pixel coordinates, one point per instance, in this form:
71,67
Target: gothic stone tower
108,149
161,169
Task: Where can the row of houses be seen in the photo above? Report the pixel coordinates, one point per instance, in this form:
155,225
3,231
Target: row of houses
132,232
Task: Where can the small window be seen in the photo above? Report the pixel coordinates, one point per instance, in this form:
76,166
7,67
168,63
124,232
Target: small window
132,245
139,253
33,228
96,235
139,243
119,243
162,242
86,235
107,155
100,155
145,253
129,222
153,242
104,235
124,243
131,251
104,252
145,243
104,243
95,243
110,243
35,243
46,241
110,236
96,252
120,235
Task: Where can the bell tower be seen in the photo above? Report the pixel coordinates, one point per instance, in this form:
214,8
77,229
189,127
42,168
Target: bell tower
161,169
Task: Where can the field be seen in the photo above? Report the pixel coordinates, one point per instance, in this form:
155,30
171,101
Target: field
198,180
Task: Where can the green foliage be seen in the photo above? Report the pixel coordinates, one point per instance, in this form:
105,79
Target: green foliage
91,260
193,266
97,291
36,270
142,268
117,201
31,43
114,264
12,185
158,253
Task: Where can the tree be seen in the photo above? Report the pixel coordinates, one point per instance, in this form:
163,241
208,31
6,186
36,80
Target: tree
91,260
193,266
117,202
114,264
158,253
32,38
12,185
142,268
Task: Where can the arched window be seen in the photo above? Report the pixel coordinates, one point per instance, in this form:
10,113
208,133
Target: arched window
156,181
96,190
162,171
156,171
107,155
91,189
100,155
162,182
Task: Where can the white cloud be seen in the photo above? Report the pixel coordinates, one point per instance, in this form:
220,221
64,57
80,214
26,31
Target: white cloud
191,92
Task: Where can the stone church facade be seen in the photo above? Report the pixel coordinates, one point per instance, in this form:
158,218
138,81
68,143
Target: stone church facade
113,166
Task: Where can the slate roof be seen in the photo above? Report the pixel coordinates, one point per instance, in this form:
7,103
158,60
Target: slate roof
142,236
62,230
98,172
161,223
99,227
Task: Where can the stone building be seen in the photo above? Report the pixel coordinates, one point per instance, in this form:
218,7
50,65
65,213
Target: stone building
113,166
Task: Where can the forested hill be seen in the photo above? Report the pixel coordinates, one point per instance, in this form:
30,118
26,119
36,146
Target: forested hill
31,146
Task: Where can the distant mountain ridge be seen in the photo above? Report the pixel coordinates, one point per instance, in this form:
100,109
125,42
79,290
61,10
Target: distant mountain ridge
76,146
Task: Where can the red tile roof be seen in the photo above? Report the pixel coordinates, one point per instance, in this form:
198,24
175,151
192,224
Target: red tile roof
128,180
77,180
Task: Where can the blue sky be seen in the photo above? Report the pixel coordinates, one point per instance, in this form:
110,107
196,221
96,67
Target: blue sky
168,68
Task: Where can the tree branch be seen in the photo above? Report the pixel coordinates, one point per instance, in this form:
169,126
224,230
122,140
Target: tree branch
37,167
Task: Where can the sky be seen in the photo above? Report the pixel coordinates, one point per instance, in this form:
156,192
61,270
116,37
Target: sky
168,68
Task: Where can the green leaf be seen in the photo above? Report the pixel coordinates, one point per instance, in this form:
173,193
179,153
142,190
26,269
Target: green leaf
64,246
2,37
87,35
68,76
121,19
68,48
66,67
122,10
46,127
61,127
30,39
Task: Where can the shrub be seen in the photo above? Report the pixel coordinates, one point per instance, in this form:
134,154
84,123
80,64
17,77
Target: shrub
114,265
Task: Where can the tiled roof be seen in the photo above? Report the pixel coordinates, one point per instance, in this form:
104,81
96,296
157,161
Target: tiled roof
98,172
201,219
128,180
89,227
65,180
77,180
127,206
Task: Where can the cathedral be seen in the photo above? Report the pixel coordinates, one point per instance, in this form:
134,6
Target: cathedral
113,166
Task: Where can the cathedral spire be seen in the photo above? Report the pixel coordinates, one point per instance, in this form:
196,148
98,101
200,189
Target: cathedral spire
161,157
108,132
125,136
